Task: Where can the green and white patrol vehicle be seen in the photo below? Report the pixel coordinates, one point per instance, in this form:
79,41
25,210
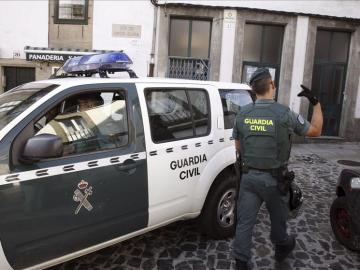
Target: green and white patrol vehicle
88,162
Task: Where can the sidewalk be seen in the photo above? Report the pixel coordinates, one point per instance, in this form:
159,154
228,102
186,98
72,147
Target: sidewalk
331,151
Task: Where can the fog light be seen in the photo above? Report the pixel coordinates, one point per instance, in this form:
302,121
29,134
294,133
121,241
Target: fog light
355,183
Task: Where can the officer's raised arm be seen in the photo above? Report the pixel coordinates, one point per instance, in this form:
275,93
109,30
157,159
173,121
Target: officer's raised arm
317,117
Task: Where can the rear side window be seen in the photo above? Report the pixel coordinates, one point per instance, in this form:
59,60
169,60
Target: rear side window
176,114
232,100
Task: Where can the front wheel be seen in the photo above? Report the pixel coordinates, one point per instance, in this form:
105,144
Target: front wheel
341,224
218,217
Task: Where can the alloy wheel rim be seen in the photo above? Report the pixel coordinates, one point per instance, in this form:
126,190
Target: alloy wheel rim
226,208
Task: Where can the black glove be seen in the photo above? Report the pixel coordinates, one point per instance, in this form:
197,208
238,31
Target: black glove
306,92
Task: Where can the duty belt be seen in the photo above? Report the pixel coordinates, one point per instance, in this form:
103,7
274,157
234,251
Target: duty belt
273,172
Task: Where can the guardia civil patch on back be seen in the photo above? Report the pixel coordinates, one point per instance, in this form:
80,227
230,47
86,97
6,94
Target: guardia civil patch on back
259,124
301,119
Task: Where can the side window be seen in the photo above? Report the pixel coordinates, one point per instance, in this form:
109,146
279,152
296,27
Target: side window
88,122
177,114
232,100
199,102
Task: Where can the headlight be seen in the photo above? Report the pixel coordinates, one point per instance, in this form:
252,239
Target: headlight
355,183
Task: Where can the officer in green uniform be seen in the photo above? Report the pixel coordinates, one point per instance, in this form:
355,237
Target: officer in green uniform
262,137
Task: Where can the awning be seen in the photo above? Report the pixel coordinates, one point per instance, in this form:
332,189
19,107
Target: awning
56,55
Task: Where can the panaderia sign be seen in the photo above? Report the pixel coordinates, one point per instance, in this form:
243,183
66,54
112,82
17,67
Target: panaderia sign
49,57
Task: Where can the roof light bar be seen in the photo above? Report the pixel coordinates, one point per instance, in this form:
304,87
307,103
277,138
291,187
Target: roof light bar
88,65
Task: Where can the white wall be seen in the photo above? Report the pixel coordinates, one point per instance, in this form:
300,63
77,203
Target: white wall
107,13
22,23
299,61
357,108
338,8
228,45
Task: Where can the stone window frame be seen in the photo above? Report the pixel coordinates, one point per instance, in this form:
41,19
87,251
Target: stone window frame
84,21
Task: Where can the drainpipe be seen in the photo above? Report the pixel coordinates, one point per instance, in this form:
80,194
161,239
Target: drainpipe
152,54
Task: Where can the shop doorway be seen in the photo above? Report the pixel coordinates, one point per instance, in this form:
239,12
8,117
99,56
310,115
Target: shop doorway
329,74
15,76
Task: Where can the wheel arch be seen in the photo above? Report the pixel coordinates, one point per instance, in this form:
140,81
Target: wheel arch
340,192
227,170
220,164
4,263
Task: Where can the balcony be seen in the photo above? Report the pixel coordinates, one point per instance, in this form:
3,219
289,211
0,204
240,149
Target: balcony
189,68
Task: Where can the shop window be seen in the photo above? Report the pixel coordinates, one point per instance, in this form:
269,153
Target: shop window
71,12
262,48
177,114
190,38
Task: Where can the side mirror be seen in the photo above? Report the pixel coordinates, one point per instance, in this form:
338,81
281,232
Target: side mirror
42,146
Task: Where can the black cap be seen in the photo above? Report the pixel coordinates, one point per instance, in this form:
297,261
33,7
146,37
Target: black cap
259,74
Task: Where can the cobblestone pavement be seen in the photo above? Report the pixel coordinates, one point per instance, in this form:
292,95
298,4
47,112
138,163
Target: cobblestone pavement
181,246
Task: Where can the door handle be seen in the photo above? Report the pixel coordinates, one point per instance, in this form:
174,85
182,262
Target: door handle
129,166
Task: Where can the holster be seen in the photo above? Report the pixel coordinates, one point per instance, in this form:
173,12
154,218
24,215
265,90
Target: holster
238,166
284,178
238,170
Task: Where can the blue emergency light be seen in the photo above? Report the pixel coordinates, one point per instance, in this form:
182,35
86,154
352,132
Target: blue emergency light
88,65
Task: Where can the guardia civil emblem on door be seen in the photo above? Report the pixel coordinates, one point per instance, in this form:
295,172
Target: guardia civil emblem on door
81,195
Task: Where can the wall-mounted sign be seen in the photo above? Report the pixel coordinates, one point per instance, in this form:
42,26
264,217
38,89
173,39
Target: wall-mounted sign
60,55
229,18
48,57
249,70
16,54
126,31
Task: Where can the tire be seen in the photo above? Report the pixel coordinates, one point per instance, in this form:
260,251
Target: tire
342,224
218,217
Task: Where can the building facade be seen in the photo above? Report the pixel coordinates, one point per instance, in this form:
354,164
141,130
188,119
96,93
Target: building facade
37,37
315,43
312,43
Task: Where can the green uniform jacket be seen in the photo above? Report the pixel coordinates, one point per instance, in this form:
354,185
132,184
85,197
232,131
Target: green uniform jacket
264,130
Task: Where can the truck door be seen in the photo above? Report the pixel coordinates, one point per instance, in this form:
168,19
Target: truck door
177,126
95,192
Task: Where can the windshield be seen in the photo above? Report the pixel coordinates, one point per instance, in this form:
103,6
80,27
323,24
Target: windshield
17,100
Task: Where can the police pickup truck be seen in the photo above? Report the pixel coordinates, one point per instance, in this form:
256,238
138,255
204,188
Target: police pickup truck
89,162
